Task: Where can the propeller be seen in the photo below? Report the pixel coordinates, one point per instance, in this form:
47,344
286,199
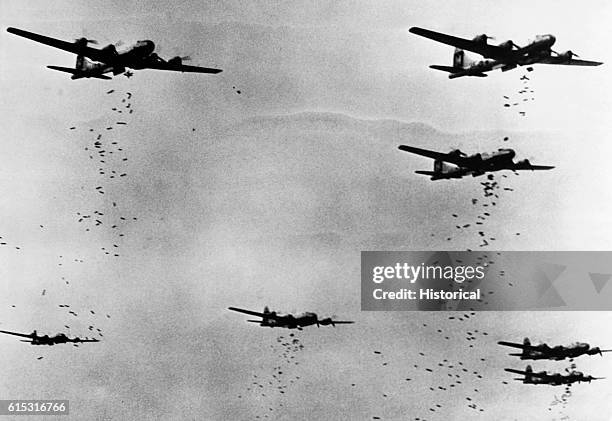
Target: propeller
85,38
86,41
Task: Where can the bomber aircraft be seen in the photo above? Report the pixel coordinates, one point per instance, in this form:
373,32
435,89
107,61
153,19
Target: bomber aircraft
289,321
94,62
60,338
475,165
557,353
553,379
505,56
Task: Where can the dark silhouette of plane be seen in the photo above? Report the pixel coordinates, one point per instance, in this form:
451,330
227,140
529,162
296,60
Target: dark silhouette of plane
505,56
94,62
475,165
289,321
553,379
60,338
558,353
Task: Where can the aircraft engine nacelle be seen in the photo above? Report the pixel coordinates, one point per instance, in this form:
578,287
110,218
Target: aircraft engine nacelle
175,61
594,351
566,56
476,158
327,321
109,52
481,39
507,45
456,153
524,162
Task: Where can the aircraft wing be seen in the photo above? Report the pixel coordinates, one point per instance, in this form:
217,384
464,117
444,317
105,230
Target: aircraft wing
528,166
343,322
71,47
525,373
521,346
452,158
572,62
485,50
512,370
164,65
85,340
254,313
23,335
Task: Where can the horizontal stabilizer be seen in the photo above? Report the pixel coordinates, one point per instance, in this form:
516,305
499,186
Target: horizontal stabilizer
461,74
540,167
63,69
448,69
76,74
430,173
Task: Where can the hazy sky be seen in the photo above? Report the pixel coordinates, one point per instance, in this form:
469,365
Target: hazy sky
267,197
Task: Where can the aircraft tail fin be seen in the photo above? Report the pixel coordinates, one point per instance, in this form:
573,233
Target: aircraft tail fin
528,374
461,60
439,172
266,310
440,167
458,57
87,68
83,64
526,342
